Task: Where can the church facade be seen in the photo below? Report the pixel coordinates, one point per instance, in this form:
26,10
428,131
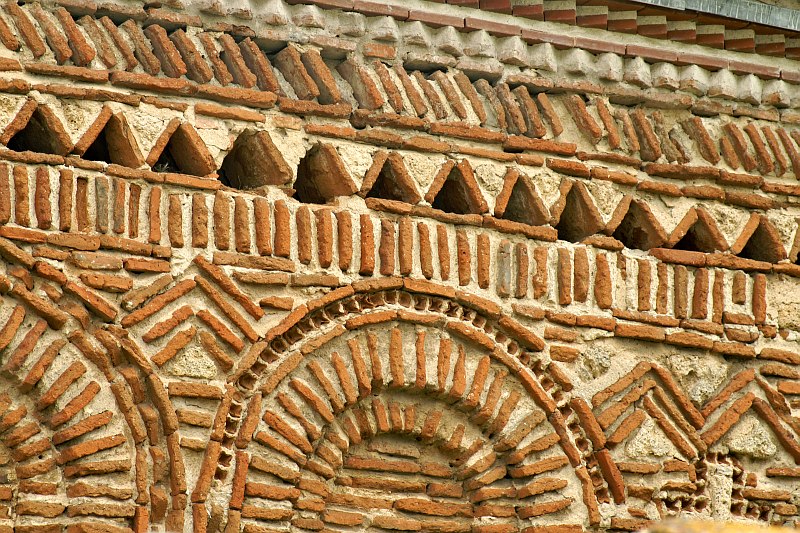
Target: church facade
485,266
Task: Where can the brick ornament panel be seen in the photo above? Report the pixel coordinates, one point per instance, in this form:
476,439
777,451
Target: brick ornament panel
340,268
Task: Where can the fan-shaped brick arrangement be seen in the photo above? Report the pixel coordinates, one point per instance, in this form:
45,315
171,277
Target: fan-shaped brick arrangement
348,266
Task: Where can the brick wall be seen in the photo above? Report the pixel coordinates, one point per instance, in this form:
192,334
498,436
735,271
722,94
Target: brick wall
340,267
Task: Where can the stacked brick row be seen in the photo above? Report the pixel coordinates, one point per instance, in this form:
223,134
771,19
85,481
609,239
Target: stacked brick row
690,297
138,212
754,146
621,17
615,17
169,52
254,232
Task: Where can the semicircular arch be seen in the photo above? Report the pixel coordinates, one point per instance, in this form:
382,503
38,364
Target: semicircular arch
357,349
79,445
67,452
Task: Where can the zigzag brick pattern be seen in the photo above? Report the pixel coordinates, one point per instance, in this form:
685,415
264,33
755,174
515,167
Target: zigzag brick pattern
341,267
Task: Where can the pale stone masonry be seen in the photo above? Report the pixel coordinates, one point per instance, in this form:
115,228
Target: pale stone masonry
480,266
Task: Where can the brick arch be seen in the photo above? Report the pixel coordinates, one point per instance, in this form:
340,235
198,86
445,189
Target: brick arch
472,410
450,481
290,349
28,464
161,487
97,406
371,302
69,423
65,437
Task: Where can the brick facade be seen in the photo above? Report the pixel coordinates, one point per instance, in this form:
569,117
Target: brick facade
347,266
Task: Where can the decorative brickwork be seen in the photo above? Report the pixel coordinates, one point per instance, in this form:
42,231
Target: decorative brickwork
341,267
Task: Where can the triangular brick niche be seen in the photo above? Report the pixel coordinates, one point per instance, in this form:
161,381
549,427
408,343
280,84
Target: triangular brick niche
455,190
697,232
638,228
322,176
760,241
110,140
183,152
575,216
37,129
519,201
389,179
254,161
